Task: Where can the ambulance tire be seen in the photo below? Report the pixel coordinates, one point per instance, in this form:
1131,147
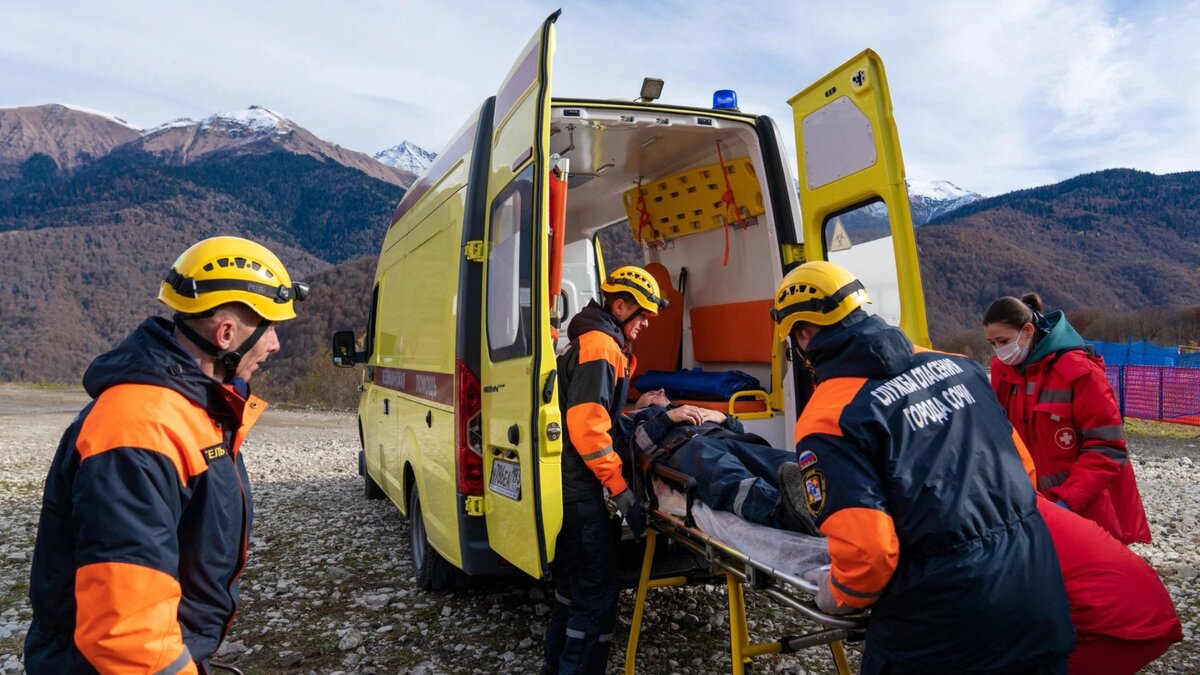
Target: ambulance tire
371,488
431,570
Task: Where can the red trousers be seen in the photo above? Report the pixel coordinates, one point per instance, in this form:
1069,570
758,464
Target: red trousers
1104,655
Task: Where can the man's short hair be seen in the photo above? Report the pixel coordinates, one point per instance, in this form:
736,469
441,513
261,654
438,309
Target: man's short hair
610,298
235,307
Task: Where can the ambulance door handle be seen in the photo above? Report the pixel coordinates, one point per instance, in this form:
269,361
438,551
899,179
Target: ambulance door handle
386,407
514,435
429,418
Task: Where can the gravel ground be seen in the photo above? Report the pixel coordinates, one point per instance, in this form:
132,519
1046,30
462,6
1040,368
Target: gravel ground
329,588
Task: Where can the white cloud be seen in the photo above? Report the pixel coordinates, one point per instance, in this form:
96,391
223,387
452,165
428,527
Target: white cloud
992,96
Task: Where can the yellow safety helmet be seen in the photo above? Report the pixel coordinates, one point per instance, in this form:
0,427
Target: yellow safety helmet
215,271
637,282
818,292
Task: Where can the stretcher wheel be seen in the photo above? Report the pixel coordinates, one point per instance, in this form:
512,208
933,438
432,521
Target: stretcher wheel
431,570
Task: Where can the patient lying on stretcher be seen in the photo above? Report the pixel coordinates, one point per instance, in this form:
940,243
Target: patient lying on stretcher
735,471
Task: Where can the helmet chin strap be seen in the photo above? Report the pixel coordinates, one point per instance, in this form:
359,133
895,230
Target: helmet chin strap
631,317
228,358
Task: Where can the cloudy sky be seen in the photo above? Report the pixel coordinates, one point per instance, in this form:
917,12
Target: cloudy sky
993,96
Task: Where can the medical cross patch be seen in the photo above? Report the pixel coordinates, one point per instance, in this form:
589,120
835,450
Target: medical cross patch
814,491
1065,438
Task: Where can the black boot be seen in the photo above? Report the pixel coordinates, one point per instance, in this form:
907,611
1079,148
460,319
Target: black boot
792,510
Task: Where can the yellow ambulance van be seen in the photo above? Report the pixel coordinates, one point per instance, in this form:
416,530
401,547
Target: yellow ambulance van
494,249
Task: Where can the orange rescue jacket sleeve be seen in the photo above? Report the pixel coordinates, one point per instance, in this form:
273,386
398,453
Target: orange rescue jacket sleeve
590,396
1026,458
127,500
846,498
1102,451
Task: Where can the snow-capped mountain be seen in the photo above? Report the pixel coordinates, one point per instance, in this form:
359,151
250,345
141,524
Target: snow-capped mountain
407,156
255,130
253,121
930,199
100,113
70,135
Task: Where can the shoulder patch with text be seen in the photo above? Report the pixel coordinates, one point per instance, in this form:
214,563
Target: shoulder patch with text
213,453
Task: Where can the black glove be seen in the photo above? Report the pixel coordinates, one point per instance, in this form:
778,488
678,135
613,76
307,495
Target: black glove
629,507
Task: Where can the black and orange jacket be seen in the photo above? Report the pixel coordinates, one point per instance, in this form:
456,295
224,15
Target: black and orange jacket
593,376
145,517
1062,405
909,469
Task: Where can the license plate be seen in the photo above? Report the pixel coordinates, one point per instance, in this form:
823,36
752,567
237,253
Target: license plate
506,479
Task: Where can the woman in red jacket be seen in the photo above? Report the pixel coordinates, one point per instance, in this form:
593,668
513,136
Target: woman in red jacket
1122,614
1060,402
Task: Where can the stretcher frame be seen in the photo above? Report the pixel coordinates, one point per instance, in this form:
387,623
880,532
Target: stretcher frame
739,571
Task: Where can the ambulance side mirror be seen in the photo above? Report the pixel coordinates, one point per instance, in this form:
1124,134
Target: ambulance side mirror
344,353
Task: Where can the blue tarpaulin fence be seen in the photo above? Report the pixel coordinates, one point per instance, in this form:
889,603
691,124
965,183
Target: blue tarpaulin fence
1143,353
1153,382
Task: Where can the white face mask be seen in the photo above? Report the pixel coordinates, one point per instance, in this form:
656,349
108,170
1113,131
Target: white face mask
1013,354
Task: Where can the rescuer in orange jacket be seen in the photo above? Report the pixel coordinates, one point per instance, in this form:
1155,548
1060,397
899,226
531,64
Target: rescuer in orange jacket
913,474
146,510
1058,398
593,376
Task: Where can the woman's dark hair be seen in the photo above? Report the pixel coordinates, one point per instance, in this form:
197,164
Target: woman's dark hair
1013,312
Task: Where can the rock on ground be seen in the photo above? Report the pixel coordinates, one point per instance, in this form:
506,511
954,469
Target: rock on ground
329,585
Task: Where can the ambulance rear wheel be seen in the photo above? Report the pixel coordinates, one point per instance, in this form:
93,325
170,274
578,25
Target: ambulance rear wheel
371,488
431,570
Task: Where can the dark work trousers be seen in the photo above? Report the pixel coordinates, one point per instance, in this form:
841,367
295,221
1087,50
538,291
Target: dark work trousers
734,475
585,595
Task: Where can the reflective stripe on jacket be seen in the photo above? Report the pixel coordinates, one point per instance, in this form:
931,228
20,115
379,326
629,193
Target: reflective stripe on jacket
910,471
1064,408
593,385
145,517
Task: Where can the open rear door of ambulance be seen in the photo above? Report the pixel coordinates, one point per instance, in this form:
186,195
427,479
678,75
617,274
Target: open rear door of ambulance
521,445
853,199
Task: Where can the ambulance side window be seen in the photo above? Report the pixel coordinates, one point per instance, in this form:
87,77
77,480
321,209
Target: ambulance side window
369,338
860,239
508,277
619,247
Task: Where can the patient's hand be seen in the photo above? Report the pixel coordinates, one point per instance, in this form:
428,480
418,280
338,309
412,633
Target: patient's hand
656,397
712,416
686,414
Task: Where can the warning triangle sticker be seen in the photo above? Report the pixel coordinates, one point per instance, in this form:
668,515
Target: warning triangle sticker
840,241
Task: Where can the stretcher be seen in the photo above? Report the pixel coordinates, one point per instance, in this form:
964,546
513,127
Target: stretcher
676,515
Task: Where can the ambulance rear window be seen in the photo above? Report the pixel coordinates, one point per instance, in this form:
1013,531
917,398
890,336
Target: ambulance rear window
509,268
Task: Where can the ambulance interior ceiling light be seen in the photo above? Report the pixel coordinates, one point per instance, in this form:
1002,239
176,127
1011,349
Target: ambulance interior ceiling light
651,88
725,99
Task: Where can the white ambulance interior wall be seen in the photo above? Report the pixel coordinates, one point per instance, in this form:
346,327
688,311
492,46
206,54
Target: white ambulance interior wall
753,271
752,274
579,284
